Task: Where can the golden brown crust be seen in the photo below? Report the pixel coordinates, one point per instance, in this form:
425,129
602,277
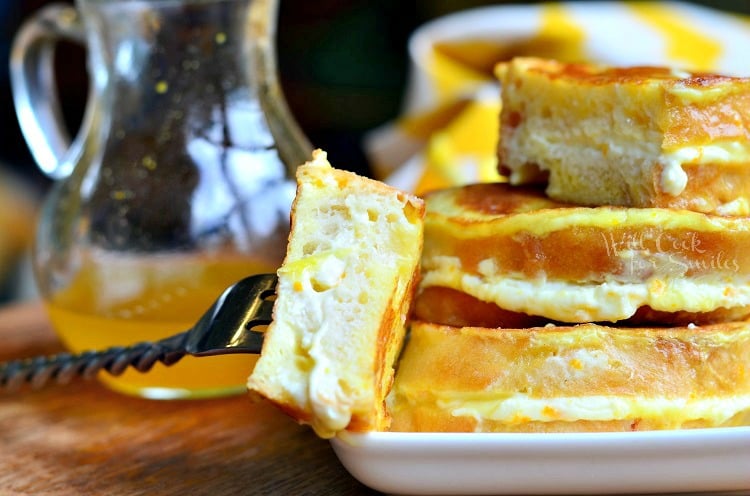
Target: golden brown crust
389,342
451,307
448,306
581,243
600,75
670,375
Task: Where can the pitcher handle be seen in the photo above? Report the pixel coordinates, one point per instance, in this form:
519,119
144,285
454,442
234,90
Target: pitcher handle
34,88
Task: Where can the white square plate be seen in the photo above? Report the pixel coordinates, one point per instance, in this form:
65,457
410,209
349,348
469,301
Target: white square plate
697,460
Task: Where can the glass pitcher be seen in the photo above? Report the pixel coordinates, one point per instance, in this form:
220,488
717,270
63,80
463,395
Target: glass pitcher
178,183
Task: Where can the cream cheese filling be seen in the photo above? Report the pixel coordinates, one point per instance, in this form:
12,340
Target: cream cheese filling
309,280
673,177
579,302
518,407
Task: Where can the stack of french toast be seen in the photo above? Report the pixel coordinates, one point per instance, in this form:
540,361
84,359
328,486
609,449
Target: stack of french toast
604,287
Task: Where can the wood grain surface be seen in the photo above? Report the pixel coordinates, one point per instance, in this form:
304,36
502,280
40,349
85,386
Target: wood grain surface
82,439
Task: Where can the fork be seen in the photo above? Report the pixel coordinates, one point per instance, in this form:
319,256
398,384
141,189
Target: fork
231,325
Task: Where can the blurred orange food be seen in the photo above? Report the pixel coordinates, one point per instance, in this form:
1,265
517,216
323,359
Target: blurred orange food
17,215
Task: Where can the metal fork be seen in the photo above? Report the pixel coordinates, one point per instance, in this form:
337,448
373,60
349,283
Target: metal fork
229,326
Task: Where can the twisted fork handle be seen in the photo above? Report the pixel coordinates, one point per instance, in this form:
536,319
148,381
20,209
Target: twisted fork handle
63,367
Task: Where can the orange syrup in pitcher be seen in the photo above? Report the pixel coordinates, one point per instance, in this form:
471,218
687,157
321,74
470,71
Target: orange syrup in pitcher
153,299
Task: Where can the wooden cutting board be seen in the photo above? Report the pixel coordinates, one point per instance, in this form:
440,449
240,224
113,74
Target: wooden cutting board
84,439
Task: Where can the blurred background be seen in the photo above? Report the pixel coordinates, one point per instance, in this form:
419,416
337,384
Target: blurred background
343,66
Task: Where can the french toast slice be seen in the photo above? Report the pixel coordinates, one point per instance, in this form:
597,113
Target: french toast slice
513,250
344,291
572,379
635,136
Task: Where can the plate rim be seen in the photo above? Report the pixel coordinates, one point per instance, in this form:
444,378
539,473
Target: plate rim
706,459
